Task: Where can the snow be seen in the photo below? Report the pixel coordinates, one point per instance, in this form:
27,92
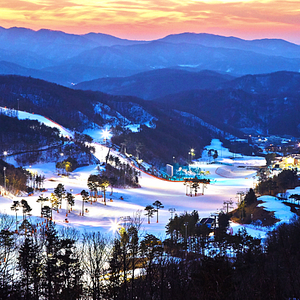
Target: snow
227,181
225,156
22,115
281,211
138,116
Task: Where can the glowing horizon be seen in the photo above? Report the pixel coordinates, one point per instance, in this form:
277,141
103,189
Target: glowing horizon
152,19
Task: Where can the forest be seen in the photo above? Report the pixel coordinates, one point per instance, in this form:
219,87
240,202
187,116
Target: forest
44,262
172,132
30,134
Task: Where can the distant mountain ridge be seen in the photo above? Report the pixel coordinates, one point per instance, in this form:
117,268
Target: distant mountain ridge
283,82
72,58
277,47
255,104
158,83
160,127
161,83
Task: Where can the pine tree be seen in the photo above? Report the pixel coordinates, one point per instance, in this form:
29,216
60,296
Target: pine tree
133,251
250,197
29,262
70,200
59,192
158,206
115,267
69,271
26,208
85,198
42,199
51,281
150,211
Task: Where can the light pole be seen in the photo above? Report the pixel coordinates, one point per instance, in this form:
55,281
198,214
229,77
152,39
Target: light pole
186,225
4,168
105,135
5,154
192,154
18,108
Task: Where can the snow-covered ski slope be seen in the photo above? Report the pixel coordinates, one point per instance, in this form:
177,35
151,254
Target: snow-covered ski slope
22,115
227,180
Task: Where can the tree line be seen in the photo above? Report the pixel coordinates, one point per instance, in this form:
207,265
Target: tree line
120,174
287,179
47,263
14,179
30,134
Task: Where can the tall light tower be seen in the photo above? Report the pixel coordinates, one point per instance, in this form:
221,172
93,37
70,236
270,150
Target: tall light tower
186,226
5,155
4,169
192,153
105,135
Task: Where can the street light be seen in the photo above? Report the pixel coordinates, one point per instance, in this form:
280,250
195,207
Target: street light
186,225
105,135
5,154
191,154
4,168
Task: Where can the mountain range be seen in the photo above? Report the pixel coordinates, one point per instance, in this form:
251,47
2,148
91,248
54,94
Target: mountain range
179,92
68,58
162,133
158,83
171,124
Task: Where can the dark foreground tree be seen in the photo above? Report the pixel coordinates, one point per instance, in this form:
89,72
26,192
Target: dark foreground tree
250,197
158,206
7,247
30,264
94,256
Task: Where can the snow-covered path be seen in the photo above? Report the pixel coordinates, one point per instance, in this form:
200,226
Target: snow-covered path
226,180
100,216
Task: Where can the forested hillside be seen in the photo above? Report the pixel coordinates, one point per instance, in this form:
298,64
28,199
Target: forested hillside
254,104
253,113
157,83
21,135
163,132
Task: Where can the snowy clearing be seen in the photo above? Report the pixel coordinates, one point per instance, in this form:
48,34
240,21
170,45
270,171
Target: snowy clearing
227,180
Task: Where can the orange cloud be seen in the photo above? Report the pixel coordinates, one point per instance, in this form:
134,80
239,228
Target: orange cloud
146,19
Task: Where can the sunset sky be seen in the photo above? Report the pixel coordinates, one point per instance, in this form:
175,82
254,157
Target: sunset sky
150,19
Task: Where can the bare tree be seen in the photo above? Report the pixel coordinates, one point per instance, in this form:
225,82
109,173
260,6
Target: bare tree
95,252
